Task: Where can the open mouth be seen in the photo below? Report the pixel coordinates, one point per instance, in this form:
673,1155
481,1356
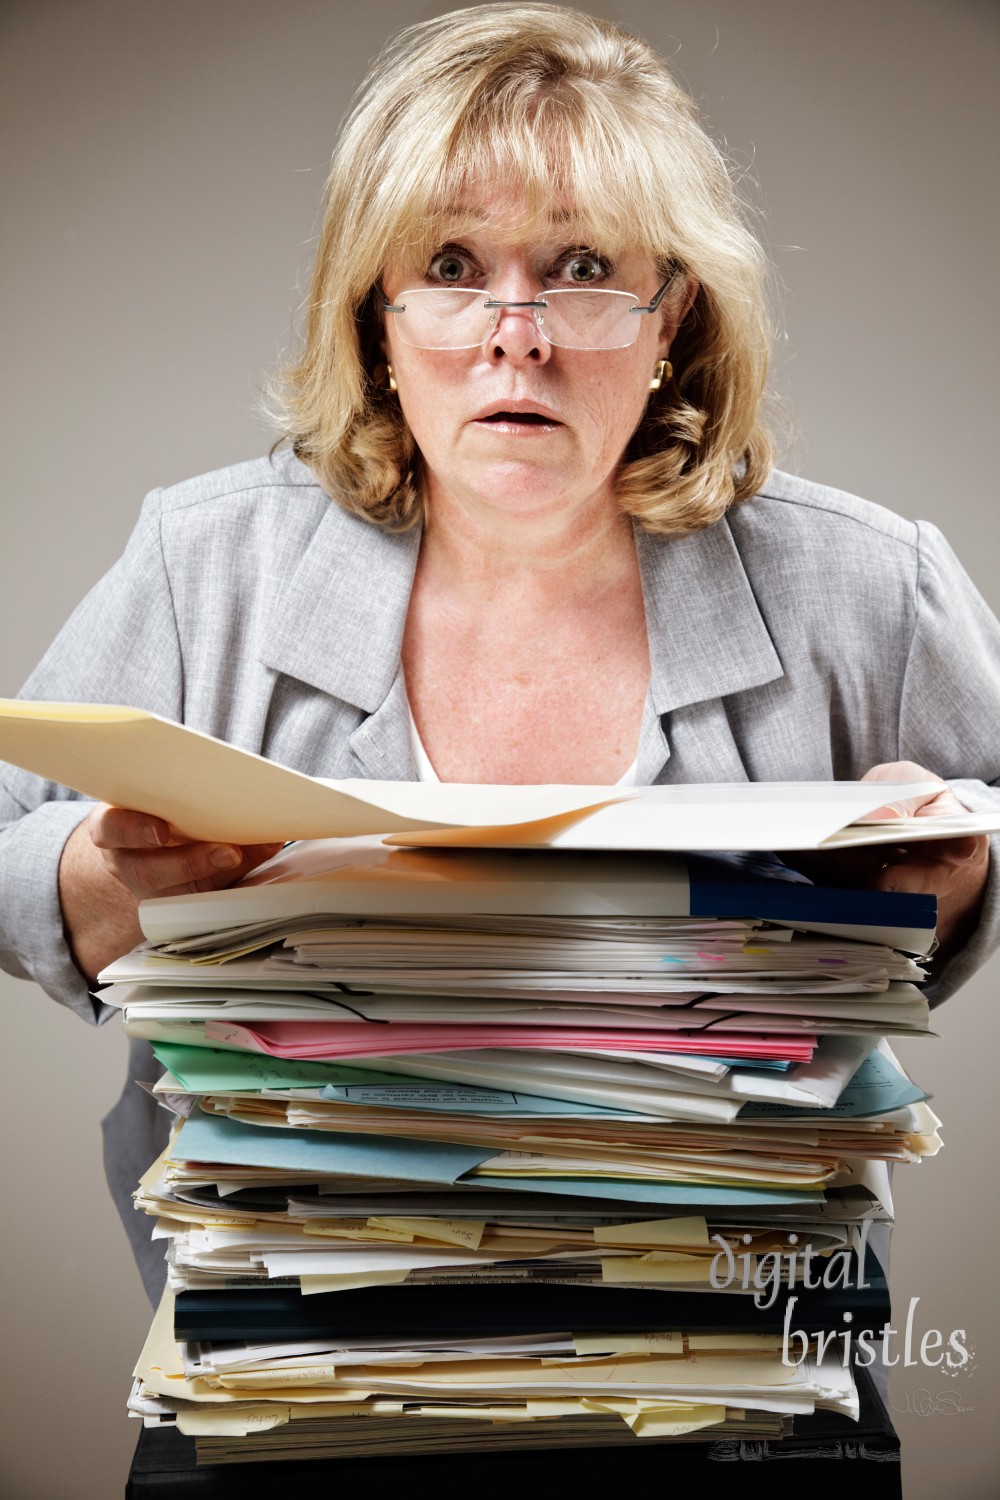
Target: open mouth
519,419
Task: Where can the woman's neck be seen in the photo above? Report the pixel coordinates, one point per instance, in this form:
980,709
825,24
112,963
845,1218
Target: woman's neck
545,557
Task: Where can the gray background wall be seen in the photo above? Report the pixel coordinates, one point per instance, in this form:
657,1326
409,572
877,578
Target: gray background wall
162,166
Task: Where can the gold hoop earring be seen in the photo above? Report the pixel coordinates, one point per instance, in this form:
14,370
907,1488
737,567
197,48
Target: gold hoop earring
664,371
392,379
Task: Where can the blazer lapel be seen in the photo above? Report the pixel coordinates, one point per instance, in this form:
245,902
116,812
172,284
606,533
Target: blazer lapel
338,626
707,641
382,744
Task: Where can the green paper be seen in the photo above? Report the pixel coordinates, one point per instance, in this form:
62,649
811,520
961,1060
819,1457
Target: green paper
209,1070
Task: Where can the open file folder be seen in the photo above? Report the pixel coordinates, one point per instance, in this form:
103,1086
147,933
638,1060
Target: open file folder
207,789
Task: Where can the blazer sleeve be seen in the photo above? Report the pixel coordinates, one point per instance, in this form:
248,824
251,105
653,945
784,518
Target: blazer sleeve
120,646
950,716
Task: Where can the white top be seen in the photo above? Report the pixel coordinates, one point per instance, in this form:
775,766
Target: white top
426,772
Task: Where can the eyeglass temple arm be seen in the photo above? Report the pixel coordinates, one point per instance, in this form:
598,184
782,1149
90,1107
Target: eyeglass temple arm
658,298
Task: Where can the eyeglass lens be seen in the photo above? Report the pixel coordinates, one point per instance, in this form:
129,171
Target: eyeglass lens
453,318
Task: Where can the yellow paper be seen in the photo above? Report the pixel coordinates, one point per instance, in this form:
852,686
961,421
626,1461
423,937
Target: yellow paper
181,1214
620,1374
477,1413
467,1233
672,1233
657,1418
628,1343
310,1285
207,789
229,1423
347,1229
666,1424
553,1406
702,1343
160,1370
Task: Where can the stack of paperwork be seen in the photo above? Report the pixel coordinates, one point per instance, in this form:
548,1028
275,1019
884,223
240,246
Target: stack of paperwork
576,1149
520,1116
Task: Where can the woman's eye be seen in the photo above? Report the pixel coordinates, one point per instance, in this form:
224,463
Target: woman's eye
449,266
583,269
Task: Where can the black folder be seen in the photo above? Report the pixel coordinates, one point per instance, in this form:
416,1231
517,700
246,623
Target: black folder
273,1314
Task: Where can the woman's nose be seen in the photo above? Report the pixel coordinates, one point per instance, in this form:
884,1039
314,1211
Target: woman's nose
515,335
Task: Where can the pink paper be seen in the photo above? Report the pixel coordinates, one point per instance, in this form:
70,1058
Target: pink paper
330,1040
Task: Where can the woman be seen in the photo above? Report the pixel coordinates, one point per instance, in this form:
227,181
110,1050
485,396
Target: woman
526,528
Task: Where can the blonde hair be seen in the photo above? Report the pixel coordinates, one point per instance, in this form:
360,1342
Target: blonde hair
569,108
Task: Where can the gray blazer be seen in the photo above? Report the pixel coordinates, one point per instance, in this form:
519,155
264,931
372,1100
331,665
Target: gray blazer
808,635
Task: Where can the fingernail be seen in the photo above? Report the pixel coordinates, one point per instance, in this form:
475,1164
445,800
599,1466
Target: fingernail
150,835
225,857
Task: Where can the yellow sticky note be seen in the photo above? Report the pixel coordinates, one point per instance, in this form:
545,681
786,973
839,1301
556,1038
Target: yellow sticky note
464,1232
229,1423
668,1424
553,1406
673,1256
350,1229
678,1234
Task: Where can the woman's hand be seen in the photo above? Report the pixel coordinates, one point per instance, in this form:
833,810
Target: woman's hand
148,859
954,870
116,858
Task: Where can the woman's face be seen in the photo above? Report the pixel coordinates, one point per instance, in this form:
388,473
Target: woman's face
517,424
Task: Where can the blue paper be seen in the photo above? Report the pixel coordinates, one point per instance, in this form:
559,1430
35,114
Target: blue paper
877,1088
754,1064
679,1194
218,1139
